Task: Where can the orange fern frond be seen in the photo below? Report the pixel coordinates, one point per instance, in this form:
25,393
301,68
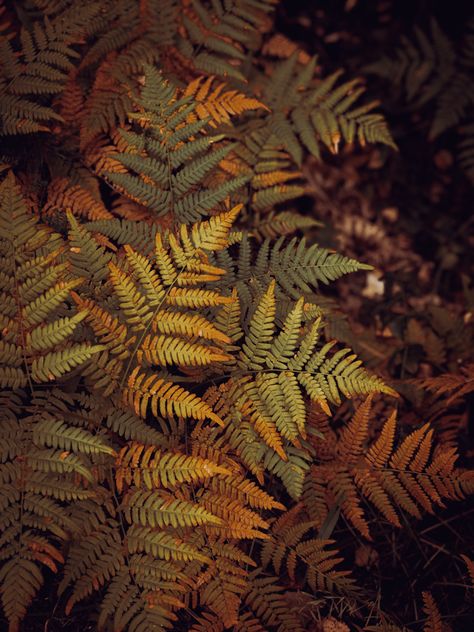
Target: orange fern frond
353,436
216,103
62,197
101,155
280,46
107,104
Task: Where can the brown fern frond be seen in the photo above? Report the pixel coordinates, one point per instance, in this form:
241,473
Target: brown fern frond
412,476
456,386
433,622
353,436
71,103
128,209
470,568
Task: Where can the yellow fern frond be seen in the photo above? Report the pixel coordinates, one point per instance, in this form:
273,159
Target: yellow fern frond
164,398
213,234
165,350
152,468
189,325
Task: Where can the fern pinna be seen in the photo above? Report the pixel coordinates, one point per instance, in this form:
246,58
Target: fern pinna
167,449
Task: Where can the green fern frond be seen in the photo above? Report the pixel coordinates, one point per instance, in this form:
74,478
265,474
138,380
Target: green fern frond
288,366
218,37
130,427
59,462
158,176
40,68
296,267
138,235
55,433
56,363
428,68
88,259
305,114
275,225
422,66
48,336
58,488
21,579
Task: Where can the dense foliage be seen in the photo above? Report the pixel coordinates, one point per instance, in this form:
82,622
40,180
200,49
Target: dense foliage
206,421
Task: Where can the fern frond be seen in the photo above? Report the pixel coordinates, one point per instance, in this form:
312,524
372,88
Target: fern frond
160,176
216,103
152,509
454,385
40,68
222,595
55,433
218,36
286,367
94,559
21,579
422,66
35,290
283,224
64,197
164,398
297,268
305,114
409,476
48,336
287,547
265,599
88,259
58,488
130,427
151,468
433,622
163,545
56,363
59,462
427,68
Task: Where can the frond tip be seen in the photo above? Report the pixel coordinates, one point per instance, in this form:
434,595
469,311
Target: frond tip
433,621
